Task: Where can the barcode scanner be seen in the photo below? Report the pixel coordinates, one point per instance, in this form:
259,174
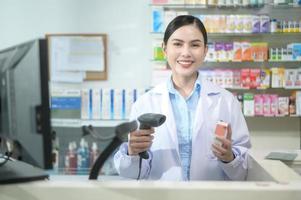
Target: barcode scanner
147,121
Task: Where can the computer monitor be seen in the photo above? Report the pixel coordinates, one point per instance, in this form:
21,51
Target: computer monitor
24,102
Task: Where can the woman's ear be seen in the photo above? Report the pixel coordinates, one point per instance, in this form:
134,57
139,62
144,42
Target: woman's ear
164,49
205,51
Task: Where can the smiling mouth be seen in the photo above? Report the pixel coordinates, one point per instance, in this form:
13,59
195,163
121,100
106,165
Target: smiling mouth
185,63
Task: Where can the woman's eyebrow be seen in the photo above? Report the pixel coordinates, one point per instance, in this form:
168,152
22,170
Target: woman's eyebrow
197,40
179,40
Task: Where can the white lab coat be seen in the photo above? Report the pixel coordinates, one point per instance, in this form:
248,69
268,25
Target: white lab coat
214,104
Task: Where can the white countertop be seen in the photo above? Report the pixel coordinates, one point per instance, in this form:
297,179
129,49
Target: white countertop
286,185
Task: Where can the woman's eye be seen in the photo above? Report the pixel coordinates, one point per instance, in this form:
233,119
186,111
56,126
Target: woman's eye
177,44
196,45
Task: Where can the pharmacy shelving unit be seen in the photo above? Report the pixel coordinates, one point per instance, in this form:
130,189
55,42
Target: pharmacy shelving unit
279,12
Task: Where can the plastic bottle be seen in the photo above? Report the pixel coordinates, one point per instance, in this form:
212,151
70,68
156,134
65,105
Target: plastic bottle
93,154
292,105
71,159
82,157
66,160
285,26
296,27
279,26
87,154
55,154
273,26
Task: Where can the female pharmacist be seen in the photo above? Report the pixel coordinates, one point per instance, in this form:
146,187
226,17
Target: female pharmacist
184,147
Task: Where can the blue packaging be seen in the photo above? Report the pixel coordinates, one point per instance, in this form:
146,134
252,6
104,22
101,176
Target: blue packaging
256,24
265,24
158,20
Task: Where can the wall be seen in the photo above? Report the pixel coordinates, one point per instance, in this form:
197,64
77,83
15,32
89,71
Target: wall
274,133
127,24
21,21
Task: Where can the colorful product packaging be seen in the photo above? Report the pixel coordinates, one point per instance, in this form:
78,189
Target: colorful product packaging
266,105
278,77
246,51
283,106
265,77
237,49
236,78
256,24
258,104
264,24
245,78
298,78
254,78
248,104
274,104
290,77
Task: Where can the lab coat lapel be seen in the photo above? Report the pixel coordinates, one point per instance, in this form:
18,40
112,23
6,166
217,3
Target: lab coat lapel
208,98
170,121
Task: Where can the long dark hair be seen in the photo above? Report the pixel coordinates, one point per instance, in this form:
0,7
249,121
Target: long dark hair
183,20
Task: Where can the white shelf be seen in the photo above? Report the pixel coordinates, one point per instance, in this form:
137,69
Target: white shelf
160,35
244,62
221,7
76,123
205,6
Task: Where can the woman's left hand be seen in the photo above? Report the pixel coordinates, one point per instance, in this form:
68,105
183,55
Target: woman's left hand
224,151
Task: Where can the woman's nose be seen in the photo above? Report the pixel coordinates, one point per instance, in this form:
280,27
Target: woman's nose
186,51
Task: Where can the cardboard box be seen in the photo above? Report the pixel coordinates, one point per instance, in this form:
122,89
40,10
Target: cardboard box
221,131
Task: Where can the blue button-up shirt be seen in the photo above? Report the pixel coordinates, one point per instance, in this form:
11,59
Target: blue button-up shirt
184,110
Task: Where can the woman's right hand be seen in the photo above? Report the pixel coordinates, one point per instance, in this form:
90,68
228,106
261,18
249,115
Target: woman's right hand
140,140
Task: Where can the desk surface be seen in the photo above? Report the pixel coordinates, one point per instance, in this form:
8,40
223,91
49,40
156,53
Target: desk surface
149,190
287,185
280,171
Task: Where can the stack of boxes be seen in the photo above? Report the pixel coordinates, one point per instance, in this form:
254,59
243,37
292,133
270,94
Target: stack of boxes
94,104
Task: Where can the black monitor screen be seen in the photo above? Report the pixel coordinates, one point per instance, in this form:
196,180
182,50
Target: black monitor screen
25,116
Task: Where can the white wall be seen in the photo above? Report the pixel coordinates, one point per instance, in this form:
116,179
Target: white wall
274,133
127,24
23,20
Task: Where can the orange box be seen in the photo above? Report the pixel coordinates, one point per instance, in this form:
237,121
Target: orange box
237,52
221,131
246,51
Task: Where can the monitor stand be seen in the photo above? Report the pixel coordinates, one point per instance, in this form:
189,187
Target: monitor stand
14,171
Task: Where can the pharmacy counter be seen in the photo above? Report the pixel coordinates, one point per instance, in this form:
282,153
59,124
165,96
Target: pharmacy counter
267,179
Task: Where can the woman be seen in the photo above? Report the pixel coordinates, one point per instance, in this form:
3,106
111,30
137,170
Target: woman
183,148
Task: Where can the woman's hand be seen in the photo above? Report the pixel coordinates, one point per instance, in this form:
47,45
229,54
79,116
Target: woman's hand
224,151
139,141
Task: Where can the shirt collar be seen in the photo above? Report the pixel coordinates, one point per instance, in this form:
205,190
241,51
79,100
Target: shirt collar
172,90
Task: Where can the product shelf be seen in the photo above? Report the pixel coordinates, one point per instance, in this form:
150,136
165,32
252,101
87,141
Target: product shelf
245,64
264,90
159,35
271,117
76,123
203,6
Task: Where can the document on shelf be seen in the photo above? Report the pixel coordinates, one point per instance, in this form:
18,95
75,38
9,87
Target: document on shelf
72,56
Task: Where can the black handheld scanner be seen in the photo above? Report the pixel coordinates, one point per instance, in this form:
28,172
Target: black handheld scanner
147,121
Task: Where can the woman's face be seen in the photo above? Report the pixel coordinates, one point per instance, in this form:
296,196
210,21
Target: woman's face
185,51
